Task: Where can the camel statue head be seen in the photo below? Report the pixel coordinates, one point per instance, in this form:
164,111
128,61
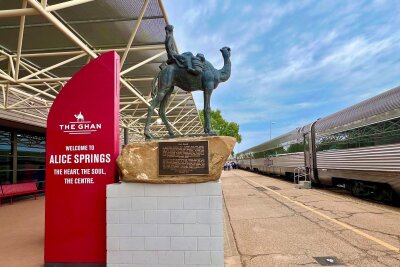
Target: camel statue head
226,52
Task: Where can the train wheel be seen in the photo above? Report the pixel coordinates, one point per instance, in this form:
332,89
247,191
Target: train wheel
384,193
357,189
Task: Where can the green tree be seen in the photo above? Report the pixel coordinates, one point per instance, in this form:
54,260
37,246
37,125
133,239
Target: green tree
221,126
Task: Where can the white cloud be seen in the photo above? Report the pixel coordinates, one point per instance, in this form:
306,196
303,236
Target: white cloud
379,3
247,9
198,12
339,62
250,138
226,5
356,51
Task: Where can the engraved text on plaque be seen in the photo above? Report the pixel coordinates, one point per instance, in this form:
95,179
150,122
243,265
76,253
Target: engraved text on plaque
183,158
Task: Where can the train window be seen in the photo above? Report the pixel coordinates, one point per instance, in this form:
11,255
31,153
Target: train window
298,147
383,133
284,149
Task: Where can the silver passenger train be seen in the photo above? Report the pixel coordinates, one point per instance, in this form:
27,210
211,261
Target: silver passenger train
357,148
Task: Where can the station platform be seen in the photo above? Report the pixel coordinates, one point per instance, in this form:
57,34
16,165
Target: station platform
275,224
267,222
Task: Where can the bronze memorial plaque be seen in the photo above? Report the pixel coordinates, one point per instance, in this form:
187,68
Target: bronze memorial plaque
183,158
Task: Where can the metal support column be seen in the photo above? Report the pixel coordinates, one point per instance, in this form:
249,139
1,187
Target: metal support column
126,136
14,146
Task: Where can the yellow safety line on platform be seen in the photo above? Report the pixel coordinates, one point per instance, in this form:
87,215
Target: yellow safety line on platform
357,202
345,225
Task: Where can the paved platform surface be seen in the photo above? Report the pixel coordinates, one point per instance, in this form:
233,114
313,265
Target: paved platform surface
267,223
275,224
22,233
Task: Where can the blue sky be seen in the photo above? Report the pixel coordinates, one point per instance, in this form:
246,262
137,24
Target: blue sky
292,61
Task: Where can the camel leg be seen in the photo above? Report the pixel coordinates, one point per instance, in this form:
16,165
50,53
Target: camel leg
162,111
207,111
165,82
156,101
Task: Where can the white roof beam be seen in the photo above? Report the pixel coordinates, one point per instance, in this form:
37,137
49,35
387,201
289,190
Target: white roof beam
143,62
31,70
124,108
30,115
11,66
191,128
4,96
135,29
180,112
20,39
65,79
182,117
35,97
72,53
31,107
33,11
37,90
51,67
171,100
6,76
46,13
177,105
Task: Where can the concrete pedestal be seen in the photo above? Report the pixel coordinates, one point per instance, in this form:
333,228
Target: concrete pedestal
165,225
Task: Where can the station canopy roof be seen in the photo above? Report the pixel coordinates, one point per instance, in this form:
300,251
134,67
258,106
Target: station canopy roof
43,43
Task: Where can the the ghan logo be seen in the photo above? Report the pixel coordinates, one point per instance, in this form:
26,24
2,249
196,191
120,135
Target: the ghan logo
80,126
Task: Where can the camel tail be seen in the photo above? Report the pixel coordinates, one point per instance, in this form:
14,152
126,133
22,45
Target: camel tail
154,86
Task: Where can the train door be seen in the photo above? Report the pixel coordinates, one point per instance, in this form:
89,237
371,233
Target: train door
310,154
307,153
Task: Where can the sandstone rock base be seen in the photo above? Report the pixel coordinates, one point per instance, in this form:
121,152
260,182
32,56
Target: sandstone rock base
138,162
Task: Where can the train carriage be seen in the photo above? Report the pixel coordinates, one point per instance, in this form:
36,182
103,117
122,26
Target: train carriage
358,147
279,156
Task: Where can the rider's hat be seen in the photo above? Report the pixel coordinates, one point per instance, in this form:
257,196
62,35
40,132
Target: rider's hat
169,28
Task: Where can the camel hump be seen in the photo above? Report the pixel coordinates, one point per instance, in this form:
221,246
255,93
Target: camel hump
198,62
187,61
188,55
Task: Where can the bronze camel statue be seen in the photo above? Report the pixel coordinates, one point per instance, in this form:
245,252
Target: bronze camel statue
174,75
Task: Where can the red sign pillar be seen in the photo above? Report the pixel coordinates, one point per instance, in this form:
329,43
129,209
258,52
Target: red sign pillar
82,144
